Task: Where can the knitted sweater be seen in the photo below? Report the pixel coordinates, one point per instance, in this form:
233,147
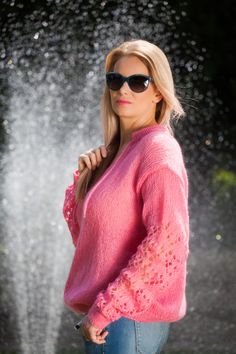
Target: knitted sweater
131,235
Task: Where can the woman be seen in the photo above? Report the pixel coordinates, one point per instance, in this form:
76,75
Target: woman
128,212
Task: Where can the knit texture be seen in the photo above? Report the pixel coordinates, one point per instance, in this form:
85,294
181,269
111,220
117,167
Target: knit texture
131,235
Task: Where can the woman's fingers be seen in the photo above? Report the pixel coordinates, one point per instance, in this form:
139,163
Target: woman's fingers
91,336
103,150
92,333
84,161
92,158
101,337
104,334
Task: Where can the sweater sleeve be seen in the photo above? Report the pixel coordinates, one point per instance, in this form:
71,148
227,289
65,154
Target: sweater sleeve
158,258
69,208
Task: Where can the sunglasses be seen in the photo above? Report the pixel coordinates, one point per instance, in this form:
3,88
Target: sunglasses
137,82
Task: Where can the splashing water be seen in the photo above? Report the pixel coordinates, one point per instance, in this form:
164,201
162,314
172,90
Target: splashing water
54,80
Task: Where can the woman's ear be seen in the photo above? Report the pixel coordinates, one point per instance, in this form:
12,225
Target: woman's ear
157,98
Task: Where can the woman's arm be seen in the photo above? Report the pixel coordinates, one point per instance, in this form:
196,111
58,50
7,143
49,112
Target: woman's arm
159,258
91,160
69,208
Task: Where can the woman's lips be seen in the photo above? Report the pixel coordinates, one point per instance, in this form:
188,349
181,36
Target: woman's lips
123,102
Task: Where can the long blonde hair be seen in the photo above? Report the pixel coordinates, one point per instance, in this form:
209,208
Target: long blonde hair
168,109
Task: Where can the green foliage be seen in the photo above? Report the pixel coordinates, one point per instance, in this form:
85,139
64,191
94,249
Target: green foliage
224,183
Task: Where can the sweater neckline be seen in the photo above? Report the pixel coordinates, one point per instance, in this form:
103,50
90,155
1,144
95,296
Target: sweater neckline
141,132
134,136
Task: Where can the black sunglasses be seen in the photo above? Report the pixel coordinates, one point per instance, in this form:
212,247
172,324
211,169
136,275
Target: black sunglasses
137,82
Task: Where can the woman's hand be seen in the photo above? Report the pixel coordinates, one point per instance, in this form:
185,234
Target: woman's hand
92,158
91,333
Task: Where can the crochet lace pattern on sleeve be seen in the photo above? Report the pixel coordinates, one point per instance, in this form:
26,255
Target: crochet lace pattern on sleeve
159,257
69,212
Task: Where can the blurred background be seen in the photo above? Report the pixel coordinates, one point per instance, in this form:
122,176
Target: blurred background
52,56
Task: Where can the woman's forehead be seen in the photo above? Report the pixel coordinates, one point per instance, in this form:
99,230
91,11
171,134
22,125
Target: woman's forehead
130,65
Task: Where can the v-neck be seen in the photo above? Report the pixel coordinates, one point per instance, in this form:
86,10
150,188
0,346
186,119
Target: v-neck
120,152
135,135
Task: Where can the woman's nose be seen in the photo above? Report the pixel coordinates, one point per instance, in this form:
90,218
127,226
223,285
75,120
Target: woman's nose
125,87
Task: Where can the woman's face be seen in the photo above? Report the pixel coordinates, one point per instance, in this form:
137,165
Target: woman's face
142,105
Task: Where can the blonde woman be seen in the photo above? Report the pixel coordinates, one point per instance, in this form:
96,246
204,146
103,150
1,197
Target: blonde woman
127,211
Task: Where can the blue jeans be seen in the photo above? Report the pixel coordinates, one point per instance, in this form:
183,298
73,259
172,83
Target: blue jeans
131,337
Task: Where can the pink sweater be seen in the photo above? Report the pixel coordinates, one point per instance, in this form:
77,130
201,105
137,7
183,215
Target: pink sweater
131,235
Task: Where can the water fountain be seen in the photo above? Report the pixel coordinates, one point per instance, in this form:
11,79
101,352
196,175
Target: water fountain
52,71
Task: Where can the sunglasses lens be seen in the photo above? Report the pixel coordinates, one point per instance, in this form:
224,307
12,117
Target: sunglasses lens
114,81
138,83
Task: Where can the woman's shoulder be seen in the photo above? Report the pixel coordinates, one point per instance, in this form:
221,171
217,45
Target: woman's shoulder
158,151
161,149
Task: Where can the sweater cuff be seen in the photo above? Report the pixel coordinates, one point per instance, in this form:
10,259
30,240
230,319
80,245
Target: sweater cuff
96,318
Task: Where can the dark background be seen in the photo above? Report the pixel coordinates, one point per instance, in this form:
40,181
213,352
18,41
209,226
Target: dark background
211,24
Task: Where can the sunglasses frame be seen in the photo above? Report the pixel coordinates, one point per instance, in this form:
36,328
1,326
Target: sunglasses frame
127,79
